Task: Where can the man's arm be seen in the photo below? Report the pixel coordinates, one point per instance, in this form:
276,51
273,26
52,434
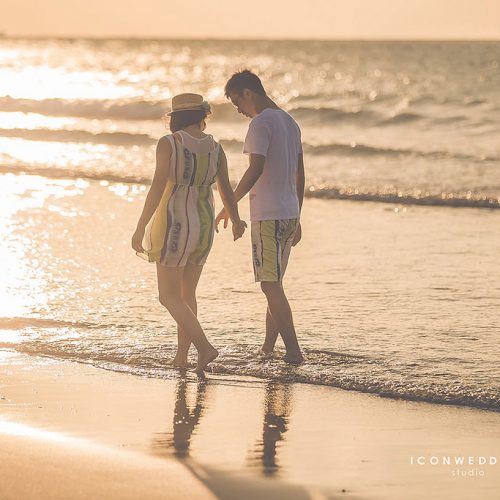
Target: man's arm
300,186
250,177
227,197
300,179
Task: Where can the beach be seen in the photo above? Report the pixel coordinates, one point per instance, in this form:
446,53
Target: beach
74,429
394,287
254,425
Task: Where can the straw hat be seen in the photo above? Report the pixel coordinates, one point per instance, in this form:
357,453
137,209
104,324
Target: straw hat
189,102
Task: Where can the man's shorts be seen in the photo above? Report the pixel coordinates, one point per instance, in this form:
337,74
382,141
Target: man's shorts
271,245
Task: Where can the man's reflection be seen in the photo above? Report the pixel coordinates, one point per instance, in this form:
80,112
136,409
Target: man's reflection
277,408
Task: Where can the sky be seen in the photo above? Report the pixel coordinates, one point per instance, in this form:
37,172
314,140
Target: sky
270,19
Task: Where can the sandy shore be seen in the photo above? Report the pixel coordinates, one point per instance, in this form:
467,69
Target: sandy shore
41,464
72,430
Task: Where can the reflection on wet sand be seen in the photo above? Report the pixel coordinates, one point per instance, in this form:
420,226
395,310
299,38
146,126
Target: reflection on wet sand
264,455
184,422
277,409
225,482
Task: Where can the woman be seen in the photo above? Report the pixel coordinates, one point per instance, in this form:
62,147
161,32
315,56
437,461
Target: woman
176,227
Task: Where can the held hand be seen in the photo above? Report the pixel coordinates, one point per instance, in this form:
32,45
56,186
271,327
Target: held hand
239,229
298,235
223,215
137,240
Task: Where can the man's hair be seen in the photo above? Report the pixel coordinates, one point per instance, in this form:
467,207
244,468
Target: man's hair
242,80
182,119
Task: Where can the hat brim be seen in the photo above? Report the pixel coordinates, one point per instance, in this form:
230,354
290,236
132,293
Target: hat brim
198,108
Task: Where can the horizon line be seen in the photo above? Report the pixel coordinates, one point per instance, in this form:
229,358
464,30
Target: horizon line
5,36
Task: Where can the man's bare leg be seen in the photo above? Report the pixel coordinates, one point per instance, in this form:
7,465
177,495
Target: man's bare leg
271,334
282,317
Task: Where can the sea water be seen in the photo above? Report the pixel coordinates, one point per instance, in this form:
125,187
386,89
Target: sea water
389,297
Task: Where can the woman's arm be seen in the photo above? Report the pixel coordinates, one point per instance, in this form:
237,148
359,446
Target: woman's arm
163,152
227,197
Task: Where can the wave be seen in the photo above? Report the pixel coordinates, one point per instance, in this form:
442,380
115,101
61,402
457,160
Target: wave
91,108
365,98
330,115
131,109
129,139
154,110
19,323
73,173
474,102
447,120
138,109
357,149
364,117
401,119
440,101
334,369
112,138
444,199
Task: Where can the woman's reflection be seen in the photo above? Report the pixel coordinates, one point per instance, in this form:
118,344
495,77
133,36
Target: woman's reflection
185,419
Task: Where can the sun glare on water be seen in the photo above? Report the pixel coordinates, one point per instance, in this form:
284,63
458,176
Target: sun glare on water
55,83
23,289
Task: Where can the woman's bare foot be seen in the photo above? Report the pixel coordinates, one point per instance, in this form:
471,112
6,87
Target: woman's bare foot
182,366
265,354
179,362
204,358
294,358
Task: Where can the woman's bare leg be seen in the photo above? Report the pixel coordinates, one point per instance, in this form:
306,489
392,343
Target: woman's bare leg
190,280
170,295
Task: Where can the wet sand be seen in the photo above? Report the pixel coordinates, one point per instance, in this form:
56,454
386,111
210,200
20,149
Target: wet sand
69,428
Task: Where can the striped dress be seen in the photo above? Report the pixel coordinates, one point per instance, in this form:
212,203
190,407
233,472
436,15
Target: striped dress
181,230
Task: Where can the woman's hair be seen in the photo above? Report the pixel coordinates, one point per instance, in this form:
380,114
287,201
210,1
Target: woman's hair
182,119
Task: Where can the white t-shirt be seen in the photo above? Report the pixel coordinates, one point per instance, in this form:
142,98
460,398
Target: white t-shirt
273,133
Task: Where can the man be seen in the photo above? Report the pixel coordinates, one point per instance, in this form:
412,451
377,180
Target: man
275,180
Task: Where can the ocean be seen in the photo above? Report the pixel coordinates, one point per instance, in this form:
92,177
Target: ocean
395,288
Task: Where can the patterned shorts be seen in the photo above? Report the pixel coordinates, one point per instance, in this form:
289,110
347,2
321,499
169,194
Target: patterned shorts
271,245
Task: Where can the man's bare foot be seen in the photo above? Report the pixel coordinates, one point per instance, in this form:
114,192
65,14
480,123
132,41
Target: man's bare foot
293,358
205,358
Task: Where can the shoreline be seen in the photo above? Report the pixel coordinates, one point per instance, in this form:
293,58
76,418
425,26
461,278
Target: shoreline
240,432
281,375
438,200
